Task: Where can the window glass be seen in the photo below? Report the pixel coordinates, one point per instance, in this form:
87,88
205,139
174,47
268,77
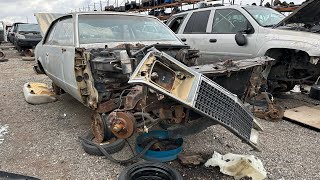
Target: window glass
1,26
265,16
28,28
120,28
61,33
197,22
176,23
228,21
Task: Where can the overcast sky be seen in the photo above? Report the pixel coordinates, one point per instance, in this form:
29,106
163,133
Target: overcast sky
23,10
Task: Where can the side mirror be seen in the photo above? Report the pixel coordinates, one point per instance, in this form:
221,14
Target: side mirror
241,39
248,30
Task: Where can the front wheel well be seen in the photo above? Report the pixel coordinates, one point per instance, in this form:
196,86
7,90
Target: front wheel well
278,53
40,67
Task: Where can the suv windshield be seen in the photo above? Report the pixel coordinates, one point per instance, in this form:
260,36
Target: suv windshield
28,28
266,17
121,28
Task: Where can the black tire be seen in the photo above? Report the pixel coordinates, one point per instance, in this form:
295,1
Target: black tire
110,148
315,92
147,170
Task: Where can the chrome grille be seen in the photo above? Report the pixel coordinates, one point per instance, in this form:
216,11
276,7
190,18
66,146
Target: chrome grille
212,102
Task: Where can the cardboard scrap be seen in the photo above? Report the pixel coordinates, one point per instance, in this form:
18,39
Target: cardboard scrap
307,115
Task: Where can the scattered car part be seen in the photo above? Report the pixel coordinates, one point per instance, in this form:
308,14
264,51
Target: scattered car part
315,92
238,166
122,124
2,57
195,91
165,149
271,112
2,54
191,159
27,58
38,93
112,145
149,170
308,116
109,157
7,176
99,127
29,52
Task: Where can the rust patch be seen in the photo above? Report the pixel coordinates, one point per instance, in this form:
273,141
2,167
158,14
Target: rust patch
97,127
122,124
85,84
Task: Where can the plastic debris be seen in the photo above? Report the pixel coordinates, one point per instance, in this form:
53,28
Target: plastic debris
238,166
38,93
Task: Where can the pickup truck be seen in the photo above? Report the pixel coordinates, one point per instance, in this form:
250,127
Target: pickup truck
242,32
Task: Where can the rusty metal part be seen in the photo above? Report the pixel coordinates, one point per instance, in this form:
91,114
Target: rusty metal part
275,114
175,113
28,53
122,124
179,114
85,84
97,127
135,99
110,105
190,159
272,112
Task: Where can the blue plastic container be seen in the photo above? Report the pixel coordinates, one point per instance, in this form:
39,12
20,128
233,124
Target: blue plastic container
158,156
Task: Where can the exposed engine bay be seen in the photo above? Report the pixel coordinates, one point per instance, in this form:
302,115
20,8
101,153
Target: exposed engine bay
140,86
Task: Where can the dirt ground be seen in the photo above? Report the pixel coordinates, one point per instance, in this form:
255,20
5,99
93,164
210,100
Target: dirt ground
42,140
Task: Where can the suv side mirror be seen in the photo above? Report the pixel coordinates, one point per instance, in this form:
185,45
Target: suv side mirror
241,39
249,30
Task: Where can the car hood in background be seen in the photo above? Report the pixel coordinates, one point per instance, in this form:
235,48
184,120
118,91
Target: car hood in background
45,19
308,13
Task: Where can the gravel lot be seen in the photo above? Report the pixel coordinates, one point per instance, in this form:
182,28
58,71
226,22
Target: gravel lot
42,142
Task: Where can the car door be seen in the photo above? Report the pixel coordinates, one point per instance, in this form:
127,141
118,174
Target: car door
193,32
59,46
223,27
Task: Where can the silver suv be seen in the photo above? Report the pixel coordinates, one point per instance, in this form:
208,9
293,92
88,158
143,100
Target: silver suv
241,32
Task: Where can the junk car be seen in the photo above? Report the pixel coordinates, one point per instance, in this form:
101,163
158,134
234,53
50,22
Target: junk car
241,32
27,36
134,77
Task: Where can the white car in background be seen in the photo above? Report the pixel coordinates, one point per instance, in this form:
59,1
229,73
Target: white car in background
241,32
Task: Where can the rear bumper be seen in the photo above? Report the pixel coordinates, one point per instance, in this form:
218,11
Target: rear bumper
28,42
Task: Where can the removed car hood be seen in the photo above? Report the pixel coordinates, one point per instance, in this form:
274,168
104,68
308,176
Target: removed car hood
308,13
45,19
